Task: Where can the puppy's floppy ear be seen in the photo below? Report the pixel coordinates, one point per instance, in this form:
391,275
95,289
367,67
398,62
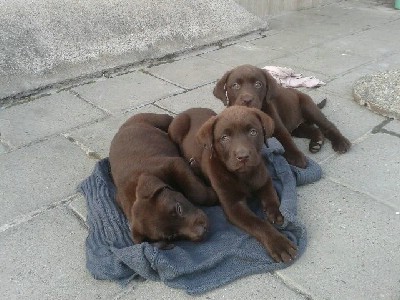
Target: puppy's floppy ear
205,134
148,186
220,89
272,86
266,122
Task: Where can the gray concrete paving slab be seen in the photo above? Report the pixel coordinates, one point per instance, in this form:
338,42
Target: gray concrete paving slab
373,167
22,124
3,149
244,53
334,21
263,286
126,91
49,263
199,97
393,126
39,175
287,41
360,43
323,60
189,73
97,136
343,84
353,243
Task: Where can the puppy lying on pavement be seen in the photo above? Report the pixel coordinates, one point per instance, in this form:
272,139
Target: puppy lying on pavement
227,149
153,183
292,111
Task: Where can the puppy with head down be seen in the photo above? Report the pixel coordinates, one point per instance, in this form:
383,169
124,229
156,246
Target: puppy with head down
227,149
154,184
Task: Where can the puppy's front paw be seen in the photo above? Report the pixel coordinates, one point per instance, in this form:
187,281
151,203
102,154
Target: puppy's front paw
341,145
297,159
281,249
274,215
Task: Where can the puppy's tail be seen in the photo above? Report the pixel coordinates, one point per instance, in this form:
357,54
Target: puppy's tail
322,104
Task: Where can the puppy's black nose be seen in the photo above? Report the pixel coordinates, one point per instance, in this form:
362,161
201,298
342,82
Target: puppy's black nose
242,155
242,158
247,101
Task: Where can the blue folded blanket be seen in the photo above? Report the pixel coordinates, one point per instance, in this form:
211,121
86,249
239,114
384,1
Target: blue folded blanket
227,254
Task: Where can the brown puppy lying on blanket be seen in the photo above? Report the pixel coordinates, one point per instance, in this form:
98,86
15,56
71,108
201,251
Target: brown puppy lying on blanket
149,175
227,148
292,111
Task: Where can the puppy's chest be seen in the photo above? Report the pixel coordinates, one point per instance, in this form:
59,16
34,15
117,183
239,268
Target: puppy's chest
243,183
253,182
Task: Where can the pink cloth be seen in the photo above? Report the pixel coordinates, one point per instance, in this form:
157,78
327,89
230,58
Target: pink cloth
288,78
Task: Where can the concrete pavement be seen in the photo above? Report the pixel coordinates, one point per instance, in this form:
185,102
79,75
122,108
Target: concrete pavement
51,141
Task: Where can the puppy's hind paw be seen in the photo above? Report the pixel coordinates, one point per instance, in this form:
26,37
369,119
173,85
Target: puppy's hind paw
315,146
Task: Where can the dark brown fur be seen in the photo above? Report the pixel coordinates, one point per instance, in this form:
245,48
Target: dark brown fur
227,147
292,111
153,183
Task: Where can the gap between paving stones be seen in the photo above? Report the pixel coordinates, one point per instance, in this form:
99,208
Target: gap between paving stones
380,128
22,219
77,95
361,192
61,133
292,285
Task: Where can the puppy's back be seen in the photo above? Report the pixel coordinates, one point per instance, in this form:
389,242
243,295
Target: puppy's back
139,141
183,130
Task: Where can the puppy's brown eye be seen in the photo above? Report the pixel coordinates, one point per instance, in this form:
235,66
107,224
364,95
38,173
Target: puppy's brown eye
253,132
224,138
258,84
236,86
178,209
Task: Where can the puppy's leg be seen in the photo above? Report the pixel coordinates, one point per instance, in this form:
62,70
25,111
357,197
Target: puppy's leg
190,185
310,131
270,202
314,115
292,154
239,214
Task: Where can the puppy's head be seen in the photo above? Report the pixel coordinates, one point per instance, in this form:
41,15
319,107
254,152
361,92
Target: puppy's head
236,136
162,214
246,85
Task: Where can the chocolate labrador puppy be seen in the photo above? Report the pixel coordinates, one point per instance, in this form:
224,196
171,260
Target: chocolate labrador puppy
154,183
227,148
292,111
